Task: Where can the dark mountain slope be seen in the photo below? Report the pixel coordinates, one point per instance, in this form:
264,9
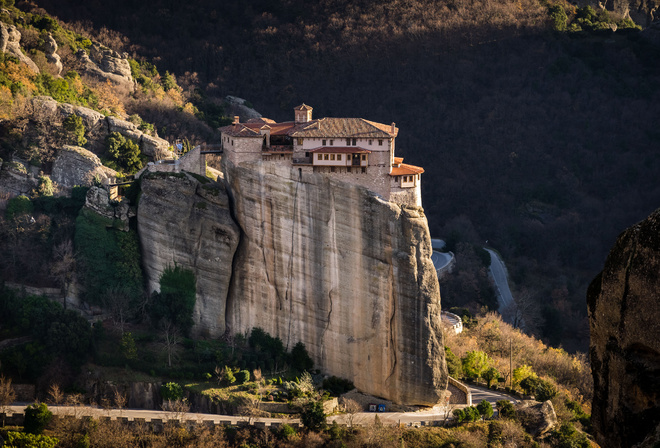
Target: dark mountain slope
542,144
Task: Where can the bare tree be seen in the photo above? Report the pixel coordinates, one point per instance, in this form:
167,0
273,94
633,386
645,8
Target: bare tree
55,394
7,395
63,267
120,400
171,339
352,408
117,299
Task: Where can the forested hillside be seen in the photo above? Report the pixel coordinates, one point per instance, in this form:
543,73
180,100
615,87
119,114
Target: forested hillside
536,125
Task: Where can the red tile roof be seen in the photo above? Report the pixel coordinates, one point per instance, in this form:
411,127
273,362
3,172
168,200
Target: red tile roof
344,128
406,170
341,149
398,160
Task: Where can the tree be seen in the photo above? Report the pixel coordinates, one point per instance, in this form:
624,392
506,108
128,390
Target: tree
505,409
351,407
545,390
485,409
37,417
74,130
7,395
63,267
491,374
242,376
124,153
225,376
17,439
521,373
475,363
128,348
176,300
313,416
300,358
530,384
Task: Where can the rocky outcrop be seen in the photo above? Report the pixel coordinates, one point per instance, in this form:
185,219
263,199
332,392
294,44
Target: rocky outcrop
10,42
105,64
74,165
330,264
537,418
154,147
624,317
98,200
238,106
183,221
50,49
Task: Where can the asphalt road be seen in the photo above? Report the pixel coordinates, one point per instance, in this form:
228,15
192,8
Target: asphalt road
499,274
440,259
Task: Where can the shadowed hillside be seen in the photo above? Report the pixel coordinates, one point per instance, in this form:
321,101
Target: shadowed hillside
541,143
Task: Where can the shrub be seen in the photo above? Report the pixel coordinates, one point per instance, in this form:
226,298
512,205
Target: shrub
475,363
454,366
74,130
459,415
128,347
300,358
176,299
124,153
505,409
521,373
485,409
45,187
530,384
243,376
171,391
26,440
568,437
491,375
20,205
545,390
337,386
37,417
313,416
286,431
558,17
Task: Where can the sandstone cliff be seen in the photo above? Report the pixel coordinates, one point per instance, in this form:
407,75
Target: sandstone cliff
183,221
319,261
624,315
329,264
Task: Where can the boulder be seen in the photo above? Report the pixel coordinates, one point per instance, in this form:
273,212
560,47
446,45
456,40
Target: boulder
624,318
10,42
74,165
44,106
155,147
537,418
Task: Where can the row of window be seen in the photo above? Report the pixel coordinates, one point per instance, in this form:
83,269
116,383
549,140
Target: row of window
335,169
332,157
349,142
405,178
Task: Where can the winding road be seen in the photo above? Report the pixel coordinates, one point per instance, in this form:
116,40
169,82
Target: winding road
500,278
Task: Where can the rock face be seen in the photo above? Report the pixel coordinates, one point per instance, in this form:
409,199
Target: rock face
183,221
537,418
107,65
624,316
329,264
315,260
10,42
74,165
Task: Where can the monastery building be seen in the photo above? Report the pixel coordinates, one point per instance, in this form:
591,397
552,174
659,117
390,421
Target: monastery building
353,150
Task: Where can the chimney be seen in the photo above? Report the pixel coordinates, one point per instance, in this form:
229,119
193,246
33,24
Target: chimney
237,119
393,128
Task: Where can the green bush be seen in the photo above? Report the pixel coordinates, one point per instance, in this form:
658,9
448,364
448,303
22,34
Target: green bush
505,409
337,386
242,377
475,363
74,130
568,437
485,409
300,358
124,153
558,17
176,300
261,341
171,391
529,384
491,374
26,440
286,431
20,205
313,416
37,417
454,366
545,391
